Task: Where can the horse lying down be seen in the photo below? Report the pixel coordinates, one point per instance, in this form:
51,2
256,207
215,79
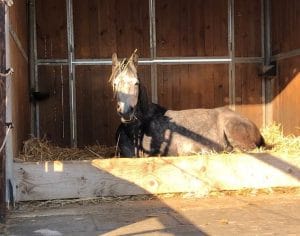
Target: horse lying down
148,129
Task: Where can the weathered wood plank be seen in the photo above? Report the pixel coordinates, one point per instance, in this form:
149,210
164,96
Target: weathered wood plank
116,177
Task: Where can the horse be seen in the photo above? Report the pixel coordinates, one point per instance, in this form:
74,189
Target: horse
148,129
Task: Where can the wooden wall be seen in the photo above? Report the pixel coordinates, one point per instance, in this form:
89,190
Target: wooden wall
51,29
191,28
285,18
184,28
18,23
104,27
286,109
248,85
55,111
97,120
193,86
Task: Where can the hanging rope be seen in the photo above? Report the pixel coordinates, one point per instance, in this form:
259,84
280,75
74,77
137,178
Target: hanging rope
7,73
9,127
8,3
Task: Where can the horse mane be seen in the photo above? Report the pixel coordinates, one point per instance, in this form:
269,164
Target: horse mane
143,102
147,110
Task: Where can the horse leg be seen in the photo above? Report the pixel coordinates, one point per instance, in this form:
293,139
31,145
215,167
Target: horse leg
124,143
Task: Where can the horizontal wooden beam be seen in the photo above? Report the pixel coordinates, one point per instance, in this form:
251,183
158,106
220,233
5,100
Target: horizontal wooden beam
124,176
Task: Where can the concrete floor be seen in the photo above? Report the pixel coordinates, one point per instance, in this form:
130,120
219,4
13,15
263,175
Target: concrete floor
275,214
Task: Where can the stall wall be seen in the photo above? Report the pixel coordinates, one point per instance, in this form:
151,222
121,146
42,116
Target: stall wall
285,21
183,28
19,84
248,43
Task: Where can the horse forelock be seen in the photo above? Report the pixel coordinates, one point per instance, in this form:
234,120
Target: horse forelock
125,67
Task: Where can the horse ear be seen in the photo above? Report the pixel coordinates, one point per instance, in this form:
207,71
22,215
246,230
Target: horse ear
135,58
115,61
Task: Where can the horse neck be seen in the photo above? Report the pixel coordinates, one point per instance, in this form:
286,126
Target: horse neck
143,103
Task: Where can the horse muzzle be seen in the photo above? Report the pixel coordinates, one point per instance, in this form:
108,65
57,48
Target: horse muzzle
127,117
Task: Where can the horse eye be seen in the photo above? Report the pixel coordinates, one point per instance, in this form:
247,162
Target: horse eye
137,84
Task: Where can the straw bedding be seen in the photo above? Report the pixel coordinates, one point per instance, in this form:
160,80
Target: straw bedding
43,150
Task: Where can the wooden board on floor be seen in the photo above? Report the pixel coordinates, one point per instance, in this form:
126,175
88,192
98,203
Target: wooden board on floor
134,176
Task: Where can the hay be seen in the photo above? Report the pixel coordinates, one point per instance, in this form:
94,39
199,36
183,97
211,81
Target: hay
273,135
35,150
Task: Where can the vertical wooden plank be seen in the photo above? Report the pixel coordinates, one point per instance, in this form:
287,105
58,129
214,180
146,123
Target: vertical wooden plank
2,112
103,27
19,86
51,29
54,111
285,21
247,28
19,22
191,28
97,119
249,92
286,95
193,86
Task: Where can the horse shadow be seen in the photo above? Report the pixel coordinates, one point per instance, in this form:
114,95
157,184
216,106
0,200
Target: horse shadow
162,135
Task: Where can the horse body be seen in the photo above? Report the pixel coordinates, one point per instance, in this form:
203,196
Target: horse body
189,132
148,129
193,131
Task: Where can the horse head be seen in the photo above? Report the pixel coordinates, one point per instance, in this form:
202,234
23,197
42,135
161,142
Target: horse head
125,85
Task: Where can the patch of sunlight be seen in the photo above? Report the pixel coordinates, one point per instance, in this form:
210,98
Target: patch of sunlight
58,166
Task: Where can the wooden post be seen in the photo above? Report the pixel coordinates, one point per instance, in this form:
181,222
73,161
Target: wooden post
2,112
